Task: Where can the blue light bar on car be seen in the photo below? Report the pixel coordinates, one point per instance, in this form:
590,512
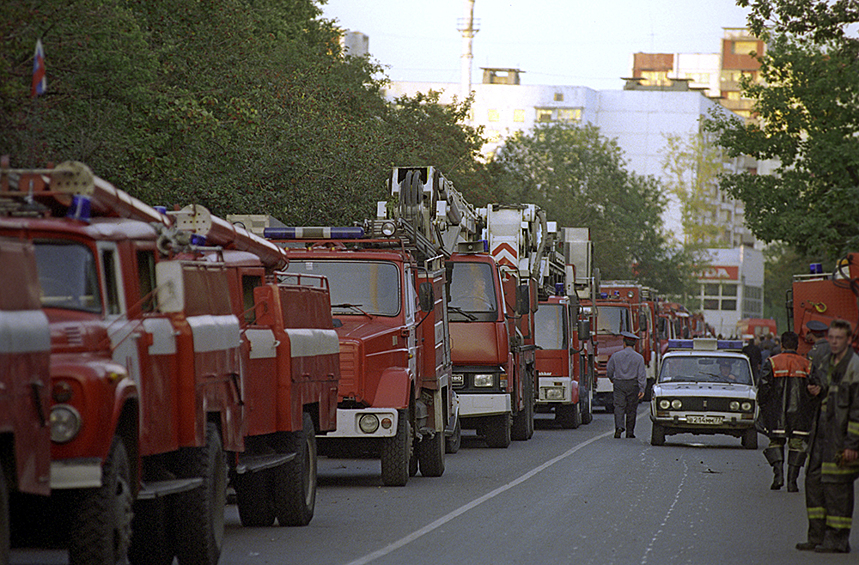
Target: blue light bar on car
355,232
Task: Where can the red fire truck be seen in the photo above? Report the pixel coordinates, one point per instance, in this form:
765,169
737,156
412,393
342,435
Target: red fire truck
492,298
25,345
387,282
563,334
825,297
147,377
614,314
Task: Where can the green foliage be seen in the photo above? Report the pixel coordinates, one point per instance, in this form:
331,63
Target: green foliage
809,124
781,263
243,106
579,177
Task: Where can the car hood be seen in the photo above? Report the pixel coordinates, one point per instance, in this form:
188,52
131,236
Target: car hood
704,389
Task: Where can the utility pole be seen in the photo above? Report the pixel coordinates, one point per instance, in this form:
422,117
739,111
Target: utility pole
467,29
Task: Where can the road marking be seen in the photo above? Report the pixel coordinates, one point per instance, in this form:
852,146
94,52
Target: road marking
473,504
667,514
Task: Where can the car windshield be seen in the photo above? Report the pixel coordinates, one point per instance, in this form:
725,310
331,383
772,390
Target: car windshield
730,370
357,286
67,276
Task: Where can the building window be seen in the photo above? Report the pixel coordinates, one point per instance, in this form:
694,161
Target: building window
655,78
729,290
570,115
729,305
559,97
711,304
744,47
544,115
494,116
753,303
518,115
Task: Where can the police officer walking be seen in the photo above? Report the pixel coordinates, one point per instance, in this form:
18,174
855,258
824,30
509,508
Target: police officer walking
625,370
786,410
834,447
819,353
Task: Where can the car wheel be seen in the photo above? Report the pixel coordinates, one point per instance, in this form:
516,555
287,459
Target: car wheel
750,438
657,434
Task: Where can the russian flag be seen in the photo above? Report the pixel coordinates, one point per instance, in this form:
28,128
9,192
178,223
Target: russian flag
40,81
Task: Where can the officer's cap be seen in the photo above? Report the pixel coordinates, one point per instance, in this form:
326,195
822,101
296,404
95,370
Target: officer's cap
628,335
816,326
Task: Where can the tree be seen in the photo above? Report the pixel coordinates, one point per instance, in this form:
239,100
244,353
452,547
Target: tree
808,122
692,167
579,177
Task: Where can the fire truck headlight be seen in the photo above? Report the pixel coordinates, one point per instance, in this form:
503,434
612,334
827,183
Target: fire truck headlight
664,404
368,423
483,380
553,393
457,379
65,423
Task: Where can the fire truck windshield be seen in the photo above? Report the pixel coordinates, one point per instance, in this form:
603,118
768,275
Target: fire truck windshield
68,276
612,320
471,288
368,286
549,326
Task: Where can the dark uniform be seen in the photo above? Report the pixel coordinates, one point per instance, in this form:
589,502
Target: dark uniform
787,412
829,483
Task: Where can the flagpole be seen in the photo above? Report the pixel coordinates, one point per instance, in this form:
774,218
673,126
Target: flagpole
39,87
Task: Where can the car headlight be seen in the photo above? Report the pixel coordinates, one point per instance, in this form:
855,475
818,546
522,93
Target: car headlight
368,423
65,423
734,405
664,404
676,404
457,379
747,406
483,380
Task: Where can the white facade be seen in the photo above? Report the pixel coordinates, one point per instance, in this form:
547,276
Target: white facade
639,120
355,43
730,288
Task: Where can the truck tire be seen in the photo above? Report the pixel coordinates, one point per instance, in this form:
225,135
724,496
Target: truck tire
5,527
397,452
588,408
657,434
100,520
256,507
151,543
431,455
569,416
750,438
523,421
497,431
198,515
295,484
454,442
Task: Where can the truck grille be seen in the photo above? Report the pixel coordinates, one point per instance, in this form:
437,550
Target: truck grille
349,368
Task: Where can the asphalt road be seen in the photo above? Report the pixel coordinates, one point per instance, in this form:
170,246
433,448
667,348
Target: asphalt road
565,496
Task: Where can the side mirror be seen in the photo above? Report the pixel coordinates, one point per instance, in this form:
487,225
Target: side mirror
523,299
584,329
426,297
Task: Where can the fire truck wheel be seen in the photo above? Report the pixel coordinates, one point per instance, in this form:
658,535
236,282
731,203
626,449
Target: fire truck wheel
256,508
750,438
569,416
431,455
397,452
4,519
413,462
657,435
100,527
588,408
523,421
198,514
453,443
295,483
497,431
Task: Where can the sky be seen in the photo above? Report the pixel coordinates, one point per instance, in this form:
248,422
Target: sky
555,42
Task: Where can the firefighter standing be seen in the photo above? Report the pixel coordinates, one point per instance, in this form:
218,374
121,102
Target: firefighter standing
625,370
819,352
786,410
834,447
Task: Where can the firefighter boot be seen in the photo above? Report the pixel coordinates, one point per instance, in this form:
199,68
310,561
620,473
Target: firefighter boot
795,461
775,457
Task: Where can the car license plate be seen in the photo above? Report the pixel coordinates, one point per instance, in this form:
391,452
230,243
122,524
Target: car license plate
705,420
